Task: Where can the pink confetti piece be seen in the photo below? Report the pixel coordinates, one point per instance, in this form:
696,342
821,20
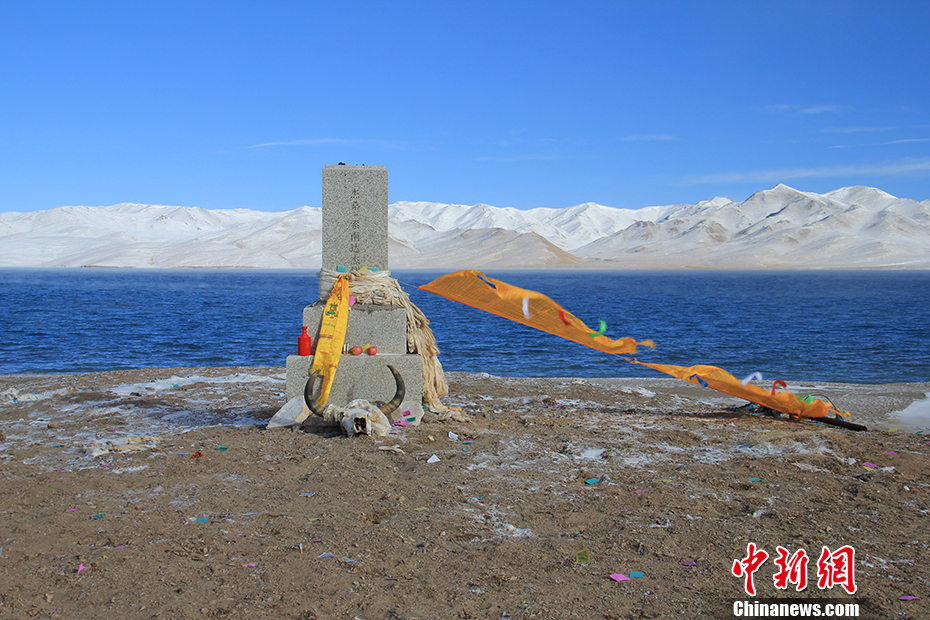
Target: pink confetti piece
891,452
908,598
869,465
249,565
640,490
688,563
619,577
82,568
71,510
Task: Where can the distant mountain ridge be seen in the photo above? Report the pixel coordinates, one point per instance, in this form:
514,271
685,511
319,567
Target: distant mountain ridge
778,228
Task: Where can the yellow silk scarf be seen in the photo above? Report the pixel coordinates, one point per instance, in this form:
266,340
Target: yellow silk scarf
332,336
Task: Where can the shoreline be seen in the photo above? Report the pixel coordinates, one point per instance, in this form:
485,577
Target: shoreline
874,404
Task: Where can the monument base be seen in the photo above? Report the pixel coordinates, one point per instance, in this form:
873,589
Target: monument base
367,377
382,326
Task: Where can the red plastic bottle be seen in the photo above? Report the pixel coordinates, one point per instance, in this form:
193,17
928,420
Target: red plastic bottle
304,342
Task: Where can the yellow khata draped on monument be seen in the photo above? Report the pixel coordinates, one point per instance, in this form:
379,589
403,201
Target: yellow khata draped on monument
332,336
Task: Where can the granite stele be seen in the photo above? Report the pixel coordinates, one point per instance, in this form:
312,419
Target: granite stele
355,240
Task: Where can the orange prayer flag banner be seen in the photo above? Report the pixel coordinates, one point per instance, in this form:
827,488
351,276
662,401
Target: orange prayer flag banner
473,288
722,381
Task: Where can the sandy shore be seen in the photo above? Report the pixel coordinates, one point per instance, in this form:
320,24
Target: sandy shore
157,494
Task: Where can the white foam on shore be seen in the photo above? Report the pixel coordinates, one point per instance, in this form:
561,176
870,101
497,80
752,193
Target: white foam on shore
174,381
915,414
134,417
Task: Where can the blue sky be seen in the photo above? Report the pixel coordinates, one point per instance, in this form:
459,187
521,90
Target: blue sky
521,104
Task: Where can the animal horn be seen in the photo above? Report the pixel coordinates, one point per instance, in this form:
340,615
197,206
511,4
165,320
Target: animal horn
389,407
312,405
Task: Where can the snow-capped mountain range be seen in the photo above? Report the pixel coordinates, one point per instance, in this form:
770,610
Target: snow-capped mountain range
852,227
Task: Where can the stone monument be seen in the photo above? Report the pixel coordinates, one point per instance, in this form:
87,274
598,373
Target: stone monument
355,237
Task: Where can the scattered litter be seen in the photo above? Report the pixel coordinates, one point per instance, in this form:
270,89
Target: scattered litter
619,577
71,510
222,448
809,467
868,465
582,557
891,452
756,376
908,598
433,459
197,455
688,563
392,449
249,514
755,479
453,436
307,494
345,559
99,515
400,423
636,573
326,554
592,481
640,490
313,519
81,568
420,509
249,565
202,520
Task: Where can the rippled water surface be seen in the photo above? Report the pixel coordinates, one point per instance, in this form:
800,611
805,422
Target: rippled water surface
871,327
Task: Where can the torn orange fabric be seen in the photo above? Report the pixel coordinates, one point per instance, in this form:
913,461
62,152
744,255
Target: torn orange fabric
722,381
530,308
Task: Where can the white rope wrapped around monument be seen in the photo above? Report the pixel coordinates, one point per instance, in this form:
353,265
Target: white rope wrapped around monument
378,287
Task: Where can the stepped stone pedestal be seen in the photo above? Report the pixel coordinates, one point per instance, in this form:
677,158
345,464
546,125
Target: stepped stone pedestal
355,235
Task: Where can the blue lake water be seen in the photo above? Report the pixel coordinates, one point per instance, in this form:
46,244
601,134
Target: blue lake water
866,327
